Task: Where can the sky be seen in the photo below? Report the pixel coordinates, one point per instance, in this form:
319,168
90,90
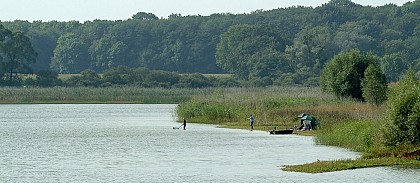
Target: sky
83,10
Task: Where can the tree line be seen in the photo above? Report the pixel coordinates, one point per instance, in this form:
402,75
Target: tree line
281,46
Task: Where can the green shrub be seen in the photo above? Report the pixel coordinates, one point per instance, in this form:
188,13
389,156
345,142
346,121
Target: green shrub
374,85
342,76
356,135
403,112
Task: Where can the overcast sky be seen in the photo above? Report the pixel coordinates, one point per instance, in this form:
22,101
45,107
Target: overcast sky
82,10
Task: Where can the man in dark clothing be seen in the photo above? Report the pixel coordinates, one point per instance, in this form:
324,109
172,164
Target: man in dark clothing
185,123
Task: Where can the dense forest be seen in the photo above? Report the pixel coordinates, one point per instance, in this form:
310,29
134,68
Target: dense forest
281,46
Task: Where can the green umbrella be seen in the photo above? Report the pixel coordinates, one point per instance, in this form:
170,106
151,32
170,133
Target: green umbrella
308,117
302,115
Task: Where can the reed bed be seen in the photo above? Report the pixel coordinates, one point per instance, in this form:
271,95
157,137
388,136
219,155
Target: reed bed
12,95
272,107
345,123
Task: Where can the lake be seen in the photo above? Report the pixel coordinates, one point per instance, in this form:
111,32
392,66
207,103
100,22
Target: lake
137,143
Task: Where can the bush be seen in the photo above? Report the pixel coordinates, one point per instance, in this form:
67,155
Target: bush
116,75
47,79
342,76
90,78
195,80
374,85
403,112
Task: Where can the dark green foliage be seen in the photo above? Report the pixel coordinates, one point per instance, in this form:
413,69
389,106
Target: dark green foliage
194,81
393,66
46,79
70,55
374,85
403,113
118,76
16,53
250,51
145,16
225,82
164,78
344,73
157,78
90,78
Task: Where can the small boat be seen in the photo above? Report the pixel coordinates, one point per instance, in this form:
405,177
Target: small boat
280,132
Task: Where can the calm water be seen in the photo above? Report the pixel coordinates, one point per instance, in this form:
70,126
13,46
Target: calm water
136,143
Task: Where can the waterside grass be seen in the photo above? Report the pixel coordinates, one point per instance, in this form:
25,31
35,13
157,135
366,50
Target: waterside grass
344,123
272,107
338,165
60,95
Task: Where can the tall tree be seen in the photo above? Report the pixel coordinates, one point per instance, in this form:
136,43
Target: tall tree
393,66
145,16
16,52
70,55
311,49
246,49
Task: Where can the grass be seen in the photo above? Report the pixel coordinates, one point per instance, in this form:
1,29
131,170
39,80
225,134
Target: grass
12,95
344,123
274,106
338,165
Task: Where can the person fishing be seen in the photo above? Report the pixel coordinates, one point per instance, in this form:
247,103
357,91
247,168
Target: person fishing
185,123
251,121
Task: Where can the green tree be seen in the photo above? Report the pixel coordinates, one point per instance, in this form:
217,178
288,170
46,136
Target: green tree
311,49
344,73
70,55
16,52
351,36
145,16
374,85
250,51
403,112
4,34
393,66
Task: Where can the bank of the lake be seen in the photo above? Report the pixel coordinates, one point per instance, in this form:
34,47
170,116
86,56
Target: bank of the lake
344,123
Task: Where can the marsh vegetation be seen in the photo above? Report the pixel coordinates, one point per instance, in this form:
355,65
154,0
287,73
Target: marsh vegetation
346,123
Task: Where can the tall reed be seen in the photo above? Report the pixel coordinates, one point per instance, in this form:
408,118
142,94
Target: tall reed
273,106
96,95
